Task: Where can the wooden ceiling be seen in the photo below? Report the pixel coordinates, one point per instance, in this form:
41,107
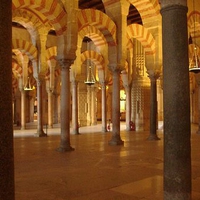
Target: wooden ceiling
133,16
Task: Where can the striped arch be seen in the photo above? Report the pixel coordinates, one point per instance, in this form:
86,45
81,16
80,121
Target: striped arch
51,53
94,34
16,69
30,21
141,34
57,72
49,8
25,47
95,57
14,83
194,19
100,21
147,8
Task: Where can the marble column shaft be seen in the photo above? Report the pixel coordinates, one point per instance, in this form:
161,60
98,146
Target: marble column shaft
103,107
65,106
93,106
23,109
40,131
6,131
116,138
55,111
50,110
88,107
128,107
153,108
198,131
75,126
177,147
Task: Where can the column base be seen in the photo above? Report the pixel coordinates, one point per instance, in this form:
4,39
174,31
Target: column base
153,137
75,132
116,140
40,134
104,130
65,149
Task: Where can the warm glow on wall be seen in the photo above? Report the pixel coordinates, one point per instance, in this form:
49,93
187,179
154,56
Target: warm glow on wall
122,101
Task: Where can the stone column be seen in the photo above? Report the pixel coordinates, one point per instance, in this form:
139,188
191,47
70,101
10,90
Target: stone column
65,106
153,106
177,147
75,126
116,138
128,107
50,110
55,106
23,103
198,82
7,191
93,106
23,109
103,106
88,105
40,131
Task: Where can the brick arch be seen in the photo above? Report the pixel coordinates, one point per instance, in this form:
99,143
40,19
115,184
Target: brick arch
94,34
51,9
51,53
143,35
57,73
30,21
192,18
99,20
147,8
25,47
95,57
16,69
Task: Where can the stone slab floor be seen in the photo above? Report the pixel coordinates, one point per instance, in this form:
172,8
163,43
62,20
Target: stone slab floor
95,170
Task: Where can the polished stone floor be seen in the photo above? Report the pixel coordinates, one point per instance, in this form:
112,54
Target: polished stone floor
94,170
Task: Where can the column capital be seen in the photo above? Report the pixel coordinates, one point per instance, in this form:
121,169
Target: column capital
39,78
171,3
74,82
173,6
153,75
115,68
103,82
65,63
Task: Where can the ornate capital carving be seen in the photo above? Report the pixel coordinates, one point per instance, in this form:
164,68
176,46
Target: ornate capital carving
65,63
116,68
153,75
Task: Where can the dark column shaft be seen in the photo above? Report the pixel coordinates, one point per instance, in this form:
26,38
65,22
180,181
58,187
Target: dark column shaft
177,149
116,138
6,124
40,131
153,109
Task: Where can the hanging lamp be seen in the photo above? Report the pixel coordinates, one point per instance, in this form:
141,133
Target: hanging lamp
194,62
28,86
90,76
